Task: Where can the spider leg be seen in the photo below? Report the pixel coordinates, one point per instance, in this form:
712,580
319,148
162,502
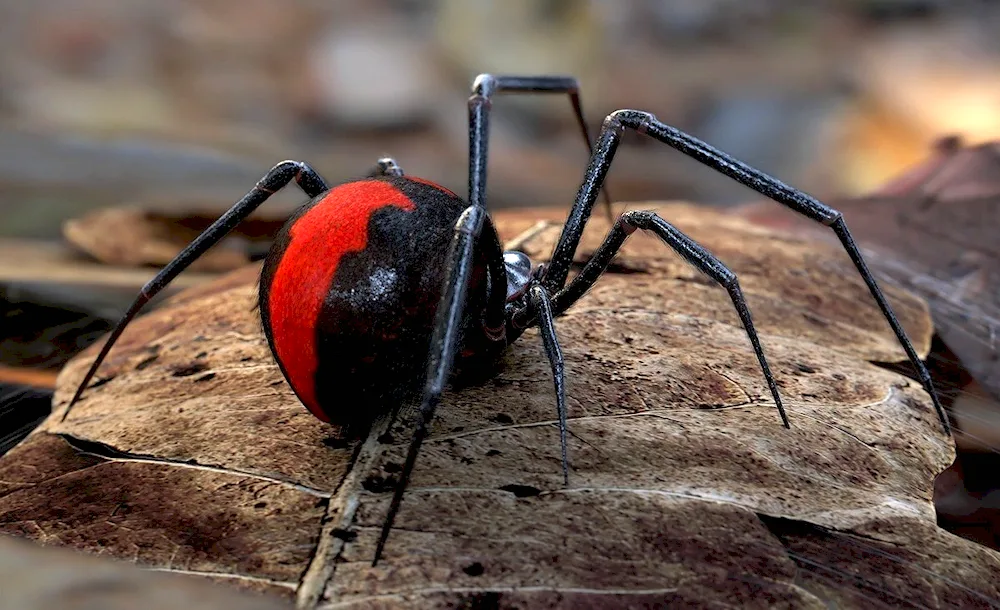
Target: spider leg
275,179
542,306
644,122
444,343
483,89
444,340
694,253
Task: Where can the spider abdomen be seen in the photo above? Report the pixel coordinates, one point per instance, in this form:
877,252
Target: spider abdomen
349,291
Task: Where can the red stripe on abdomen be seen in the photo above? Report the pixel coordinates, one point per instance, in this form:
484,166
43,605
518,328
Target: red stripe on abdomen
336,225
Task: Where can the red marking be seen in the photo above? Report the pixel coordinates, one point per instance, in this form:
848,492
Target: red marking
432,184
334,226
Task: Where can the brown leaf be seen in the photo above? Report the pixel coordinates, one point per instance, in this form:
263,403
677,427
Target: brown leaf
36,262
40,579
129,236
684,488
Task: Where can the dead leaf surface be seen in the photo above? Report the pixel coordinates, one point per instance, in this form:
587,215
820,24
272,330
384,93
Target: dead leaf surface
684,487
134,236
39,262
32,578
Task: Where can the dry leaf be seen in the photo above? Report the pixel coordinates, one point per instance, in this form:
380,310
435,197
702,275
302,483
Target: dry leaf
42,263
684,487
129,236
41,579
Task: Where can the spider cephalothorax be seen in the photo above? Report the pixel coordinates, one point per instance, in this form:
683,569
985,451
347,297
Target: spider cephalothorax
386,287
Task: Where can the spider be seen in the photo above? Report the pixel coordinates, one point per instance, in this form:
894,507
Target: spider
389,287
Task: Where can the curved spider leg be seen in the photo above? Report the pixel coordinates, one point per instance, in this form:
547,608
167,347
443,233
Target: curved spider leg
486,85
542,306
644,122
693,252
494,319
444,344
467,232
275,179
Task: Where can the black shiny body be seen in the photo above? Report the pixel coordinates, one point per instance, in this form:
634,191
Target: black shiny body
378,313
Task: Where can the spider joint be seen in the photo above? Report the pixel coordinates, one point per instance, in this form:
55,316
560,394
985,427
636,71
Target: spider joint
634,119
484,86
471,221
837,218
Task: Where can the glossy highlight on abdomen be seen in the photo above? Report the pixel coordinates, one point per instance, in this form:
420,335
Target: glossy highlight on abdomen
336,225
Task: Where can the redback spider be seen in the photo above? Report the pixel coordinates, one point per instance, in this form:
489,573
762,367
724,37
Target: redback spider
390,286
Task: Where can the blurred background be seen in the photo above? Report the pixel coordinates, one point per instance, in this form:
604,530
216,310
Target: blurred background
184,103
125,127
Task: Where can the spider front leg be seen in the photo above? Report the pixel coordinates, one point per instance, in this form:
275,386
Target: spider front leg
274,180
644,122
694,253
467,232
444,344
541,305
483,89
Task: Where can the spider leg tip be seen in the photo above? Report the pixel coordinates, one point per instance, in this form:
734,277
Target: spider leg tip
69,408
783,415
939,408
378,554
947,426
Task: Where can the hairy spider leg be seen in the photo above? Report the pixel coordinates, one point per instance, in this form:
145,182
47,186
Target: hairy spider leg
275,179
467,230
644,122
694,253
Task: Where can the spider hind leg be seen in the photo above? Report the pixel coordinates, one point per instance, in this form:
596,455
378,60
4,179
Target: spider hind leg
694,253
643,122
274,180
